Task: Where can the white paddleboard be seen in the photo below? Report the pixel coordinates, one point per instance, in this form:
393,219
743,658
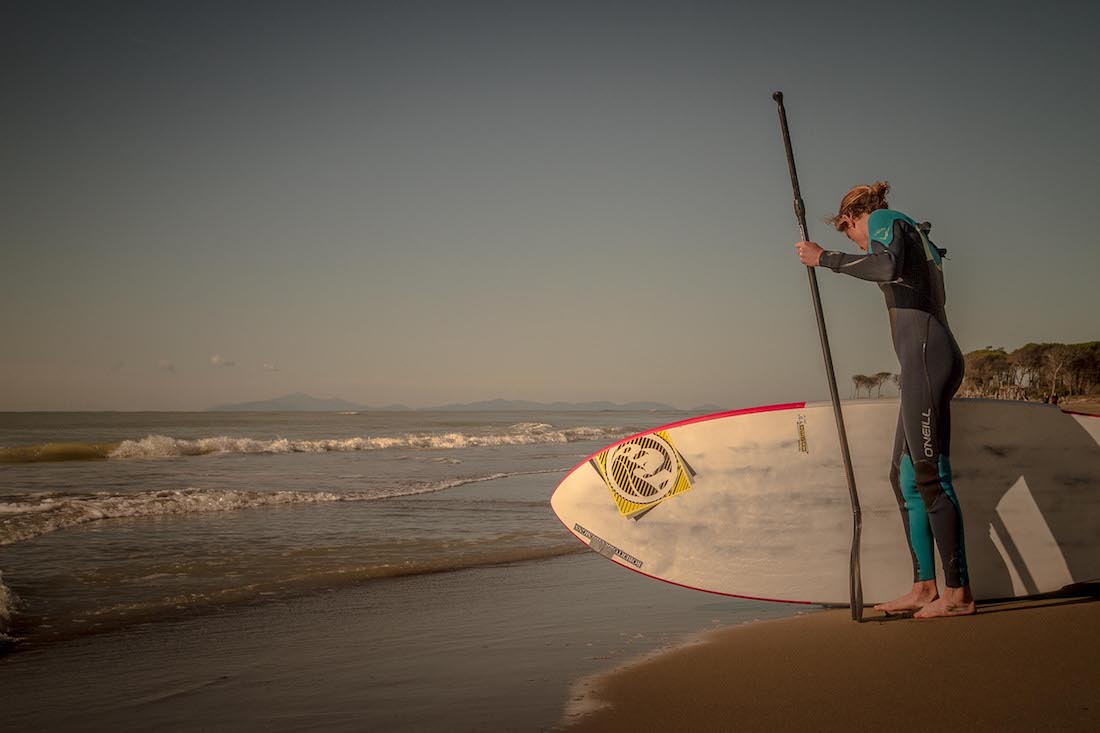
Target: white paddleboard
754,503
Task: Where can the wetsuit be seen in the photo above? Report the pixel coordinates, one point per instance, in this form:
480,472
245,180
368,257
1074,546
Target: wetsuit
908,268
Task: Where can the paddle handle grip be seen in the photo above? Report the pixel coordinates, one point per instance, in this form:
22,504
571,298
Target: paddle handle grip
799,205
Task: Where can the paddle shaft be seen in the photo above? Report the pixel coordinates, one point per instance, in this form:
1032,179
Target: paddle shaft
855,582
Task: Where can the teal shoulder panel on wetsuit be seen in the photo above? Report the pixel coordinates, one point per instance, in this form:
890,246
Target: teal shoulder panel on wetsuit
880,225
880,228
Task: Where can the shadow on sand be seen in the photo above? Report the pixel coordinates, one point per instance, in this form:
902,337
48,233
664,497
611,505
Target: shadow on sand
1070,596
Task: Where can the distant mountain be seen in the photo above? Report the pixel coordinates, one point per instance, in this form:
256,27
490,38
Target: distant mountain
499,405
300,402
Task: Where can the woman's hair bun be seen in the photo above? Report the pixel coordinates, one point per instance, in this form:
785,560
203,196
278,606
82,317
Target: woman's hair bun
861,200
877,194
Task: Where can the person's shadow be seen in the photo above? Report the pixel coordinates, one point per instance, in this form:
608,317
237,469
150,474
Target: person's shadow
1030,494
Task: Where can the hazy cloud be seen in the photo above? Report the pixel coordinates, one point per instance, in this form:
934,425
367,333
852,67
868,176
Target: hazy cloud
219,361
270,367
166,366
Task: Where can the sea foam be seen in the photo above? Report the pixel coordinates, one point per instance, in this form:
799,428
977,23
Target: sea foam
33,516
157,446
165,446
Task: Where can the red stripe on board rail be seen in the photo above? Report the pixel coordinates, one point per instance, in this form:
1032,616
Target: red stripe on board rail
689,421
1082,414
690,587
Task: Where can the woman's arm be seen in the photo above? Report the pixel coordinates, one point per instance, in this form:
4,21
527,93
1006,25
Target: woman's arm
879,266
882,264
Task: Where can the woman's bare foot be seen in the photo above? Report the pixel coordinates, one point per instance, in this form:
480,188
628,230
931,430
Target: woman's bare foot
954,602
922,593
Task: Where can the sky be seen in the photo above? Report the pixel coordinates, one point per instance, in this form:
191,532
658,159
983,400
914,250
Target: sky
425,203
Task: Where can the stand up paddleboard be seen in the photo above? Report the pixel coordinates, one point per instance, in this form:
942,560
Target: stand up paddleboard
754,503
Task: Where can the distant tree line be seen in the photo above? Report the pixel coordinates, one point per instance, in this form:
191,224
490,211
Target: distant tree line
1030,372
1033,371
868,382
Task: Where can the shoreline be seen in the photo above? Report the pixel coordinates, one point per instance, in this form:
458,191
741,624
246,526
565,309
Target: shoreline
1088,407
493,648
1015,665
586,693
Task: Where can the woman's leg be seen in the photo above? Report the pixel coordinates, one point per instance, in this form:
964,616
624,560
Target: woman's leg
926,416
918,531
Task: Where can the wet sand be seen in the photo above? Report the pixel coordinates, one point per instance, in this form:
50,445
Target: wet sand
1032,665
489,649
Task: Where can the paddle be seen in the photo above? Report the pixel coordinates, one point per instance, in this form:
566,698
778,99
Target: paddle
855,584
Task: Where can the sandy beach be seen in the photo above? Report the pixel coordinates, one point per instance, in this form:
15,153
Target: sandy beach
1089,406
1021,666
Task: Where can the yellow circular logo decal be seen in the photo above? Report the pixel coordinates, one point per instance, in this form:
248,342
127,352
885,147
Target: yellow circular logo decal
643,471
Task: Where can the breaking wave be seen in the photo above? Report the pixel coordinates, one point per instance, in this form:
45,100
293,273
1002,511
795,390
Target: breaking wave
33,516
22,518
164,446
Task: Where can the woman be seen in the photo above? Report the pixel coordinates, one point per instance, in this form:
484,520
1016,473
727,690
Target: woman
899,257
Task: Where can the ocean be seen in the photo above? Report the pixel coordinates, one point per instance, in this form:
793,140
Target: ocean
404,535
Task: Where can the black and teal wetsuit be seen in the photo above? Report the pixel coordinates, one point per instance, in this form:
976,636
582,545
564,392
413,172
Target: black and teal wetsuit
908,268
